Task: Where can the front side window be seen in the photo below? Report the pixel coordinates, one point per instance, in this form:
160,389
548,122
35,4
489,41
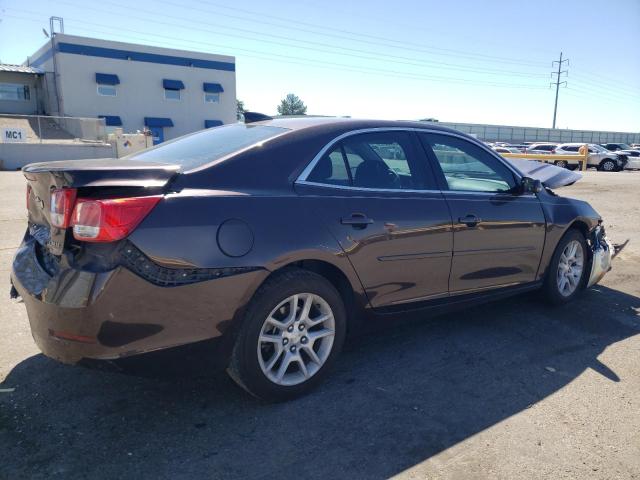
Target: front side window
382,161
171,94
211,98
467,167
14,91
107,90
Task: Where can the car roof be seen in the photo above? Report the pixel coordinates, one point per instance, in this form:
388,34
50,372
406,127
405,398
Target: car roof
321,123
577,144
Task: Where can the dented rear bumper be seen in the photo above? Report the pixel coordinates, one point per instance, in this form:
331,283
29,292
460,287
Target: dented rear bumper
76,314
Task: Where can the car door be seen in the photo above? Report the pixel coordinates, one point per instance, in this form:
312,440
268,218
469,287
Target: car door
378,198
498,232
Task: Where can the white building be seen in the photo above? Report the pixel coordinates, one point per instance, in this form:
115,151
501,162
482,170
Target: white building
171,92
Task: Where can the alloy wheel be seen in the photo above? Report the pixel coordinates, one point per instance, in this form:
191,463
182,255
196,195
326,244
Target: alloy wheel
296,339
570,268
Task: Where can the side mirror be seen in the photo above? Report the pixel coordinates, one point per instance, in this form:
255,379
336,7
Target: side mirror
530,185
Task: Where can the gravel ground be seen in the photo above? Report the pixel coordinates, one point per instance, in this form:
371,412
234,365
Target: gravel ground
513,389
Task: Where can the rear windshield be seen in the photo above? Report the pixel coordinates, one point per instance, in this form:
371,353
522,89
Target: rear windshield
197,149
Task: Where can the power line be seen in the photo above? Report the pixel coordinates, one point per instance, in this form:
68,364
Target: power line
557,83
402,44
294,60
335,50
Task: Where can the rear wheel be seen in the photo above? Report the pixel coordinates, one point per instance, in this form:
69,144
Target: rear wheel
608,165
567,271
293,330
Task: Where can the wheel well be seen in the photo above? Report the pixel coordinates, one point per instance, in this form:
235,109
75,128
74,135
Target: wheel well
334,275
582,227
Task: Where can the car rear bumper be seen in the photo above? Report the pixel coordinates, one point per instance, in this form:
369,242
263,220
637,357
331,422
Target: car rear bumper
79,314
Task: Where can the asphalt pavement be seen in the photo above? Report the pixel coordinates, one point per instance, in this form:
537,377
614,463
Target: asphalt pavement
513,389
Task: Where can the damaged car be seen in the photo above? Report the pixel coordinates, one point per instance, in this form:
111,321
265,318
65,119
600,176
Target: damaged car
279,236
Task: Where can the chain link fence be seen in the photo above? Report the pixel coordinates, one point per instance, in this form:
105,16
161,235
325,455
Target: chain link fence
499,133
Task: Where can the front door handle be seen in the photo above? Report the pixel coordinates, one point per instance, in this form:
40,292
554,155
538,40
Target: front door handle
357,220
470,220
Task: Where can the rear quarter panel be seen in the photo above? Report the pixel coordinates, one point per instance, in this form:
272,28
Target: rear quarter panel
184,231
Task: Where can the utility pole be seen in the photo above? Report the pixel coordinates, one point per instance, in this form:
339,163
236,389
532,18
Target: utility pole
557,83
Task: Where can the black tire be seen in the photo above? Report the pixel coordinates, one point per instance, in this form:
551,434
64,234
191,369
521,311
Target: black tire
561,164
608,165
244,367
551,290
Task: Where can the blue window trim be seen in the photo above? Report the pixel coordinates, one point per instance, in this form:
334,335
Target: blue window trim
158,122
130,55
111,120
107,79
172,84
212,123
212,87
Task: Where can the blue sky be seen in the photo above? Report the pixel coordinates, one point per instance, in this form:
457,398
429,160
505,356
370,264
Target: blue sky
467,61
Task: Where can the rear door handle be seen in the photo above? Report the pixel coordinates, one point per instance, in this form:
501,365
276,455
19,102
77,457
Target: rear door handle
470,220
357,220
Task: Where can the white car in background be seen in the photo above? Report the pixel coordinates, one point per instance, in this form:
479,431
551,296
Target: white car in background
633,158
505,149
599,157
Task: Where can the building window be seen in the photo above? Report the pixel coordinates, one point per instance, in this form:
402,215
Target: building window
107,90
171,94
211,98
14,91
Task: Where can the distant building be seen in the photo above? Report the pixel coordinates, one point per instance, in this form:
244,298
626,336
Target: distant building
171,92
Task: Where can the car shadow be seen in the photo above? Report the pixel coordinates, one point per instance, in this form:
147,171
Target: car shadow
404,391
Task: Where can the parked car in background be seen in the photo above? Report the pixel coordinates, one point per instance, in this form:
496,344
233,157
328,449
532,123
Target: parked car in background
635,146
542,148
550,148
276,237
614,147
633,158
599,157
502,149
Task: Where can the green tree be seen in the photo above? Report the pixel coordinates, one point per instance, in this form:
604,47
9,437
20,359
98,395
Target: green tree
292,105
240,109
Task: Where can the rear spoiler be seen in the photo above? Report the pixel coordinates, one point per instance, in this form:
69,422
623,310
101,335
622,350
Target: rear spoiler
251,117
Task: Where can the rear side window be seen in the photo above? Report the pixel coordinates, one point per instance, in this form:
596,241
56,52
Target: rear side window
381,161
570,148
197,149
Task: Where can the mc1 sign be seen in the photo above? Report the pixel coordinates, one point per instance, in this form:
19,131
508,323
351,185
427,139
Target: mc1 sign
13,135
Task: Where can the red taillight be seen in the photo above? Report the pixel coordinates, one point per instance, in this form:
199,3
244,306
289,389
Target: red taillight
109,220
62,201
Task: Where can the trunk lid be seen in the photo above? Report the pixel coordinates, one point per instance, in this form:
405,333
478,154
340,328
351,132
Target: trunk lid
86,176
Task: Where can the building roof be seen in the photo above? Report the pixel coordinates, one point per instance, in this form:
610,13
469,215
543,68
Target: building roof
7,67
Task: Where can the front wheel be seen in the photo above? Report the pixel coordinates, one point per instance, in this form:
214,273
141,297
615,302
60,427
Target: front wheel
608,166
567,272
293,331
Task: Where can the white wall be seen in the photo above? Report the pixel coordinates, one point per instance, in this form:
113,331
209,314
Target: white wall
140,93
14,156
